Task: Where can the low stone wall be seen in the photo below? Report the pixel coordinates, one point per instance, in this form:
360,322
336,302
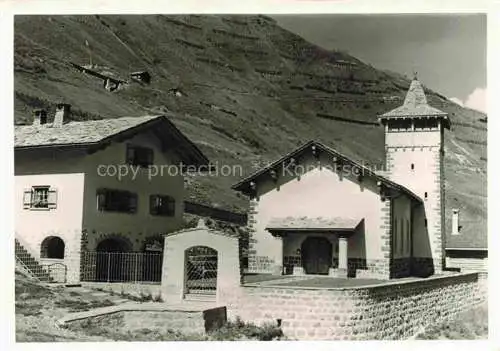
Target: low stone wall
394,310
162,317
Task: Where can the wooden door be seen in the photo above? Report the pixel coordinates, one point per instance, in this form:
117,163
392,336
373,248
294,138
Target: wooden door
316,255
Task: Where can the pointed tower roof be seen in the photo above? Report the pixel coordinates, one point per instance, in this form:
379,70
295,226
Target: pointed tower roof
415,105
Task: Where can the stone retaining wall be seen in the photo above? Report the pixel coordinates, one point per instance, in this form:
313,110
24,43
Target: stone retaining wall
160,317
395,310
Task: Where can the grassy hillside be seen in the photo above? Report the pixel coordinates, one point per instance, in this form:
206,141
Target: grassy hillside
251,91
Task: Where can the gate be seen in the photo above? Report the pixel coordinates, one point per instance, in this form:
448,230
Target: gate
201,271
131,267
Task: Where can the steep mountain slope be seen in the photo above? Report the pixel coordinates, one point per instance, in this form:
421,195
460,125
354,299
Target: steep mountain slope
243,89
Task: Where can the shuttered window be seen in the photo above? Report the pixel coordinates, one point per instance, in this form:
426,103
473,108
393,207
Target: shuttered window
111,200
162,205
40,197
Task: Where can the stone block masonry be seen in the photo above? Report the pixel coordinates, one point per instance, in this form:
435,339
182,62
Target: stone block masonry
389,311
187,319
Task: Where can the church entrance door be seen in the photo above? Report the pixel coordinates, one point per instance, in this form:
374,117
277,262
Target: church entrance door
316,255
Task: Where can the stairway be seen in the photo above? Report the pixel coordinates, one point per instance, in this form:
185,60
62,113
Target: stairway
29,263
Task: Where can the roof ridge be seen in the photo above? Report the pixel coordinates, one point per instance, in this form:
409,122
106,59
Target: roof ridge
368,171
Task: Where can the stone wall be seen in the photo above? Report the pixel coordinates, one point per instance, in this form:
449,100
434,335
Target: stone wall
395,310
134,318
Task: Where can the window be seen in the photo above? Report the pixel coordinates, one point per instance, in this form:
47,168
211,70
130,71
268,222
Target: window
426,124
40,197
162,205
402,234
412,166
408,242
116,201
399,125
139,156
52,247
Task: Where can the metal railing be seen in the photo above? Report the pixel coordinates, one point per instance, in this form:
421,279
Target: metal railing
131,267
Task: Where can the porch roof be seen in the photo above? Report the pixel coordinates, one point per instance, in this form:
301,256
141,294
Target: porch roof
313,224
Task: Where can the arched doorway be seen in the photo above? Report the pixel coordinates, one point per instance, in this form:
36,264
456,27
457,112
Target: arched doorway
111,262
52,247
200,272
316,255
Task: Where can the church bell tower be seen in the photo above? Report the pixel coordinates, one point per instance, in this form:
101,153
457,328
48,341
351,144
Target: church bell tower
414,150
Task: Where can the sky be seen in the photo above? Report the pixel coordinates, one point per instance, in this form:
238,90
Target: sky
447,51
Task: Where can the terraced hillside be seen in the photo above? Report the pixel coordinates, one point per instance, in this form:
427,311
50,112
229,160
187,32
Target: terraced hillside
241,87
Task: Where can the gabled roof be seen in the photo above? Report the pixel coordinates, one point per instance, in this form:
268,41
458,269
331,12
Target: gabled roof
415,105
245,187
99,133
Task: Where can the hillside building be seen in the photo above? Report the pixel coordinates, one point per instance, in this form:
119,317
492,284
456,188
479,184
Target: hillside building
141,76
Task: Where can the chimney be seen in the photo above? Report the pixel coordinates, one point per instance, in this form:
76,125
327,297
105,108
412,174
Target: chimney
40,117
455,229
62,114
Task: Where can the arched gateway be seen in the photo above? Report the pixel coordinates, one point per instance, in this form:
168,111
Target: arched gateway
199,264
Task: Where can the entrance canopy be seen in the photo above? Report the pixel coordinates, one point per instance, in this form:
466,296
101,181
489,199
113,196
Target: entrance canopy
279,225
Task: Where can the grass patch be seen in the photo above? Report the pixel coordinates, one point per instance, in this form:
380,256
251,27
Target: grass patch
29,308
113,327
469,325
80,305
239,330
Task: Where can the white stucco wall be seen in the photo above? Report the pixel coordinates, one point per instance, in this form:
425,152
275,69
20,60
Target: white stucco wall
65,221
174,262
422,149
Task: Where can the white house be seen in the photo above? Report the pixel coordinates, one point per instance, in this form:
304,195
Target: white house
466,245
100,185
316,211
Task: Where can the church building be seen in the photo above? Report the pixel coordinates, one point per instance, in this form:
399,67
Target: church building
316,211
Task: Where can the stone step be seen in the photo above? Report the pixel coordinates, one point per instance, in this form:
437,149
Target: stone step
199,297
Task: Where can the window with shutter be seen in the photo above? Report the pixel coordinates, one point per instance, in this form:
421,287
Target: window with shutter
40,197
111,200
132,203
162,205
139,156
27,198
52,198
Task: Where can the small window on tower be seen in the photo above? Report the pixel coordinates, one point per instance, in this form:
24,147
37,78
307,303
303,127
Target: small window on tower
399,125
412,166
425,195
426,124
